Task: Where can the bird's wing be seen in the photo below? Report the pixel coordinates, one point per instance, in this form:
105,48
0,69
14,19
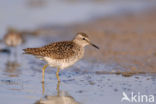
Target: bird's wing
58,50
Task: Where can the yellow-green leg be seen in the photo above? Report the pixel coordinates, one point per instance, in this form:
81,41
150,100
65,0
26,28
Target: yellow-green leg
57,74
43,70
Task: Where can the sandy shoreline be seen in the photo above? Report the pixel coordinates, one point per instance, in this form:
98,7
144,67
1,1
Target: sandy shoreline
126,61
128,40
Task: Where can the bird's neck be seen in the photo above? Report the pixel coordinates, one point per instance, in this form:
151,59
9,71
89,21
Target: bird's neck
78,43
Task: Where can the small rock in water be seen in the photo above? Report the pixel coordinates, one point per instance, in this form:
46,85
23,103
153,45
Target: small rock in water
5,51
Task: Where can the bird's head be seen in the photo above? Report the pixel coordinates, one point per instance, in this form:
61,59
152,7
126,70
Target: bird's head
83,40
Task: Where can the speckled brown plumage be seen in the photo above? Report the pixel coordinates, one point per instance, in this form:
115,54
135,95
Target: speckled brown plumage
57,50
83,34
61,54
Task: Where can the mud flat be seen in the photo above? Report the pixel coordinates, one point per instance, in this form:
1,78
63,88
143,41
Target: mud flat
126,63
126,39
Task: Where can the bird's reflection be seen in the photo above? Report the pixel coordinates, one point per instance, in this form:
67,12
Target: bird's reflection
11,69
61,97
57,88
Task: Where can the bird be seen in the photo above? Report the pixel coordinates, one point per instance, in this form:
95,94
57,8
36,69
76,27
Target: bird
62,54
13,38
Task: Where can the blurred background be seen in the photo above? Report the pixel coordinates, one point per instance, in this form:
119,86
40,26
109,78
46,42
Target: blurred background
123,29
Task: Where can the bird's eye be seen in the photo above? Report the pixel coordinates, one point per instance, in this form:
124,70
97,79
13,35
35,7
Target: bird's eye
83,39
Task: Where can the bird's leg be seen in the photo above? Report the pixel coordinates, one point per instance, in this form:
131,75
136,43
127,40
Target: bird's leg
43,70
57,74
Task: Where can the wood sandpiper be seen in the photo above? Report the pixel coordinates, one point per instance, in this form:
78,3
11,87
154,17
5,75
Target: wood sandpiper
61,54
13,38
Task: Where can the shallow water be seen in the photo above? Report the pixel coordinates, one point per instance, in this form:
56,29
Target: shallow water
24,14
20,75
21,81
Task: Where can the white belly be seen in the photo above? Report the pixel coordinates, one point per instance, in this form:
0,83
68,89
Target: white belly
64,63
61,63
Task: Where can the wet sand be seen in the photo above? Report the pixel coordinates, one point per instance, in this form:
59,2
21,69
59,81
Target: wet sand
126,63
128,40
124,39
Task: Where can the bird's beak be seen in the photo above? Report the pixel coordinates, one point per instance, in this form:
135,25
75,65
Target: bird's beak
94,46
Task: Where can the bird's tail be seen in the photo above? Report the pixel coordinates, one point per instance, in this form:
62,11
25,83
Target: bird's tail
33,51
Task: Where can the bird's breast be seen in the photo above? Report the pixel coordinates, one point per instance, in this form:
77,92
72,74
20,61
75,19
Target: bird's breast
67,62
